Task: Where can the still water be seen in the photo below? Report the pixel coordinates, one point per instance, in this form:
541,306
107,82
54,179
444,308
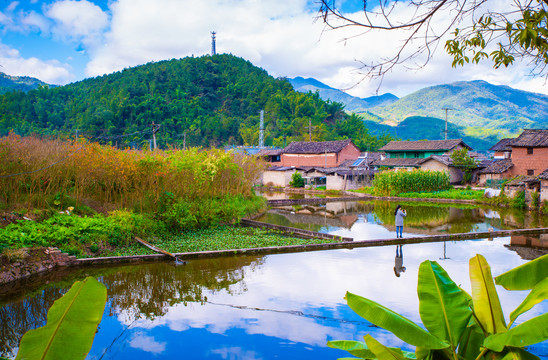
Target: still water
284,306
362,220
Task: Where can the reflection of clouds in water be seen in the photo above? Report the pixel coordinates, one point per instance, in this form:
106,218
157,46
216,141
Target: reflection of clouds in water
315,283
234,353
147,343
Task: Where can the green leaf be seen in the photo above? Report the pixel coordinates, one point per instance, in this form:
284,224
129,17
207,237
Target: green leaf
387,319
382,352
356,348
71,324
471,342
518,354
528,333
486,300
443,306
526,276
538,294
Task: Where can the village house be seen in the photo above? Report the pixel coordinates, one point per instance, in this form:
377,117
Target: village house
529,152
353,174
502,149
319,154
428,155
272,156
495,173
543,178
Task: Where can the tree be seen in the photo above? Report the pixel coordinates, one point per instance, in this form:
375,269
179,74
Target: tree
517,32
297,180
463,161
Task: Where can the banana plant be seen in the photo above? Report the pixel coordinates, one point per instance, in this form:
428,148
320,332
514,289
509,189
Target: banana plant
458,326
71,324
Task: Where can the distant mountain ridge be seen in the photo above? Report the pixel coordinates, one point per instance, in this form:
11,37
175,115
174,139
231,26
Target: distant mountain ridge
475,103
352,103
22,83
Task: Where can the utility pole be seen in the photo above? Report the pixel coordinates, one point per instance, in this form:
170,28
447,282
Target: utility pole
155,128
310,127
184,140
261,131
446,110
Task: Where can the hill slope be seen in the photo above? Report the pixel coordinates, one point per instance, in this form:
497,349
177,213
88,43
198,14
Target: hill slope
205,101
18,83
351,103
473,104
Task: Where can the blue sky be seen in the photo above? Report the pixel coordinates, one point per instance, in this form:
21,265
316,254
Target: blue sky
67,40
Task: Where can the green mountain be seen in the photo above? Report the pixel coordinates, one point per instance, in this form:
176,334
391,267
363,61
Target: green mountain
205,101
481,108
18,83
352,103
429,128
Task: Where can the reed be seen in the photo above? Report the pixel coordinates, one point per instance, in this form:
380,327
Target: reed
33,171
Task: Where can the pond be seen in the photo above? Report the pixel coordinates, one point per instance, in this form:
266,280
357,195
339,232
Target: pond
283,306
366,220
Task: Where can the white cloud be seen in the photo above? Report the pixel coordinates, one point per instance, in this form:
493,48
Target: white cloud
52,72
34,20
78,21
147,343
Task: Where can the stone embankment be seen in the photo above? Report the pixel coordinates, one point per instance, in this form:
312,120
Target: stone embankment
21,263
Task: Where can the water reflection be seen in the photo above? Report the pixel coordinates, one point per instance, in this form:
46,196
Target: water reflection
375,220
398,267
268,307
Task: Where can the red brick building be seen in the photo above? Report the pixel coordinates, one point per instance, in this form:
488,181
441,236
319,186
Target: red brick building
319,154
530,152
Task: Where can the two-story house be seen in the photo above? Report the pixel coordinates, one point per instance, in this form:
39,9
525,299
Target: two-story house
530,152
325,154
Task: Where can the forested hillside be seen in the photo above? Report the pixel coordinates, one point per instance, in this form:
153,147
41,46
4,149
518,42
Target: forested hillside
18,83
488,109
208,101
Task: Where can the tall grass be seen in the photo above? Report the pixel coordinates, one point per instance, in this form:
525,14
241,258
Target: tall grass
396,182
132,179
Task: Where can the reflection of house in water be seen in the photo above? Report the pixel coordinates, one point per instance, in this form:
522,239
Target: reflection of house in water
529,247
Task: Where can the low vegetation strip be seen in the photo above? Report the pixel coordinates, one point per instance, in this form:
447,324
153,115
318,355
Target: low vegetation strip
456,194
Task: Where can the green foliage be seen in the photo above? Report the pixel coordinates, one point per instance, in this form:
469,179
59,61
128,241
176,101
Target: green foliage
446,194
71,325
462,160
207,101
395,182
535,199
518,201
458,326
297,180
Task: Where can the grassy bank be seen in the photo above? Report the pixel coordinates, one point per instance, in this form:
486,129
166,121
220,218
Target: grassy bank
453,194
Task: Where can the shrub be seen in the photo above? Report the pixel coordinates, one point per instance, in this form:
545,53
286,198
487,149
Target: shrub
519,200
297,180
395,182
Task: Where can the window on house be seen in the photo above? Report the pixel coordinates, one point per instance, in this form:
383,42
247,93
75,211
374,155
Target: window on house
276,158
529,151
530,172
417,155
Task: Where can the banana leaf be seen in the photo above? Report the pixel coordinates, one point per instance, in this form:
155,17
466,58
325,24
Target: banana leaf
443,306
382,352
471,341
528,333
486,300
526,276
71,324
398,325
538,294
357,348
518,354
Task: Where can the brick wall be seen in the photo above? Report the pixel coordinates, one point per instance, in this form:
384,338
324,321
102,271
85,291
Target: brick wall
321,160
538,161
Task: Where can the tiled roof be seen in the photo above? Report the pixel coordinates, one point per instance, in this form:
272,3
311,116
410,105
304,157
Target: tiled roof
503,145
425,145
313,147
269,152
543,175
347,172
523,180
532,138
372,155
497,167
444,159
401,162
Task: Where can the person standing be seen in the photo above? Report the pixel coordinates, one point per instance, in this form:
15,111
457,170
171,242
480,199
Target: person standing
399,214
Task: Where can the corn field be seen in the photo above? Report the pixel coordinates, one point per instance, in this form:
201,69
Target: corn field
395,182
33,170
